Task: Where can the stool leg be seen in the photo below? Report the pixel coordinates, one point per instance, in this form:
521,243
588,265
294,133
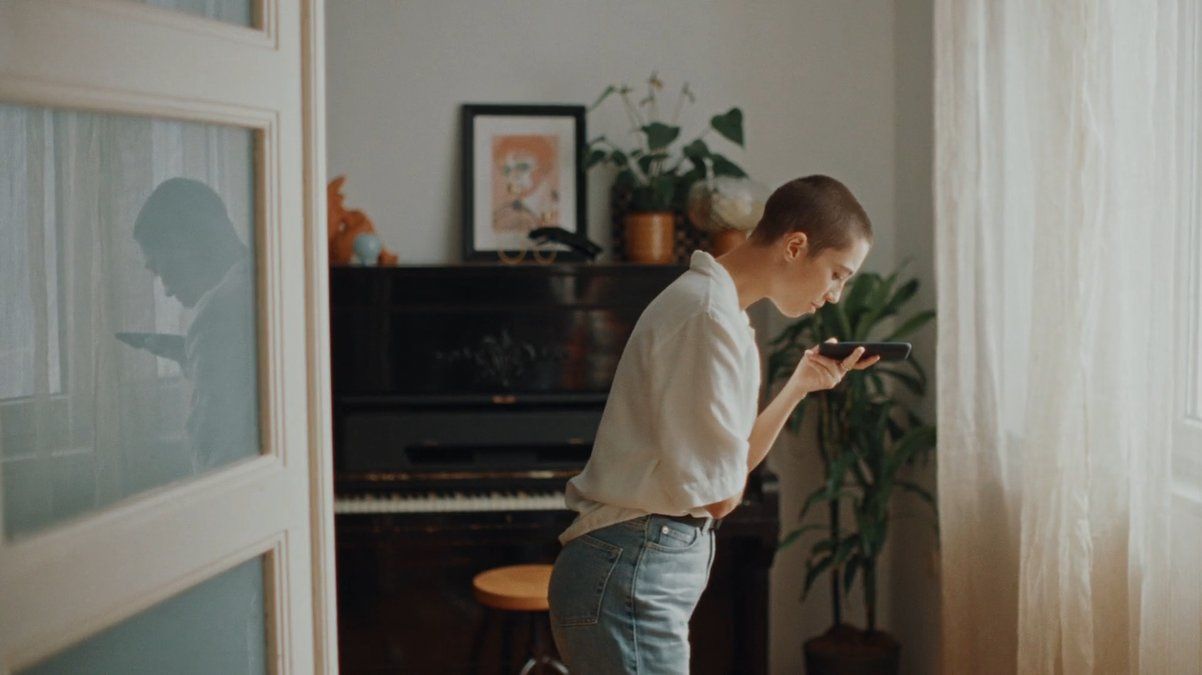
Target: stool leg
532,646
477,655
507,642
539,654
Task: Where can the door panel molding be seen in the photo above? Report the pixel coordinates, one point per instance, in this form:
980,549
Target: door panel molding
76,579
264,34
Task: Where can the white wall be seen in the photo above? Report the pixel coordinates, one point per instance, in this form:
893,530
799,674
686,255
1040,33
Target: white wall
914,589
814,80
830,86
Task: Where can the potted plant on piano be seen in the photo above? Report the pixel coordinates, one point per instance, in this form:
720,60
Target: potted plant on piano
867,434
653,177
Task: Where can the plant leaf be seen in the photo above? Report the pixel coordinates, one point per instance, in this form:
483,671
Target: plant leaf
645,161
796,534
876,306
846,546
836,471
660,135
821,495
849,573
730,125
912,324
697,152
902,295
860,287
665,189
912,383
725,167
604,95
923,493
813,571
914,440
594,157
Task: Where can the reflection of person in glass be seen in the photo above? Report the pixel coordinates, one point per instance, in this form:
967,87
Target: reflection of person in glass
191,245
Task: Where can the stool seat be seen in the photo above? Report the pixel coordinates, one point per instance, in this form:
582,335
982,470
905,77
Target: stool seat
521,588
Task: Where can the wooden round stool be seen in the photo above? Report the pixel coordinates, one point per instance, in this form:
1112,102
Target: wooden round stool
521,588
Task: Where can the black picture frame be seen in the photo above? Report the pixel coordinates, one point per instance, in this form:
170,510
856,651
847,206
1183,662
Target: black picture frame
558,191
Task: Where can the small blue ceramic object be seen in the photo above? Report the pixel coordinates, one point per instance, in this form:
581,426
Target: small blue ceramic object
367,248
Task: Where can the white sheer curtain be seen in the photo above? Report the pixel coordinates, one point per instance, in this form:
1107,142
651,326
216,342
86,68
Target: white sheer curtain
1059,152
84,419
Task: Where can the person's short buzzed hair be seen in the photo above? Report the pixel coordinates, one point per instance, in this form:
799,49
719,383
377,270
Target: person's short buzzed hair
821,207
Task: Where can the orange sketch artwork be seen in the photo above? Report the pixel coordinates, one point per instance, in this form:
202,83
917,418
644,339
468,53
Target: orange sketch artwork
345,225
525,182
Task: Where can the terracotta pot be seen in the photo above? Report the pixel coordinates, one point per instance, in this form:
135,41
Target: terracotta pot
725,240
844,650
651,237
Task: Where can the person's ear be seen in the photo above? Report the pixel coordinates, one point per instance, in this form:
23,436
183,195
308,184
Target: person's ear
796,246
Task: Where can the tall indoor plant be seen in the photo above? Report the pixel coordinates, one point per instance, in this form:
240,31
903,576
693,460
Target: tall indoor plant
659,169
866,435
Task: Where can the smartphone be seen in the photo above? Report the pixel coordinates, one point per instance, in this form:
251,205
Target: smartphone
166,345
888,351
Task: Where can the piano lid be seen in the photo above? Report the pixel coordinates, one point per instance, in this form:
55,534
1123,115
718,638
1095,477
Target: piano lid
485,330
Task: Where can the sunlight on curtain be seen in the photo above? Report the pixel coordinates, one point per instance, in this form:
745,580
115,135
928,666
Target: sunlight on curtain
1060,157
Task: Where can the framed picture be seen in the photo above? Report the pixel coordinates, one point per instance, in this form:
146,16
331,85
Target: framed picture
521,170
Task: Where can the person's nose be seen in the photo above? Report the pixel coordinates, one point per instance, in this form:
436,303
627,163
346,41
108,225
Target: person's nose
832,296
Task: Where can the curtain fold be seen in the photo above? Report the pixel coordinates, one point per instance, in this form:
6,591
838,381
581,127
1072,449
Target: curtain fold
86,420
1058,152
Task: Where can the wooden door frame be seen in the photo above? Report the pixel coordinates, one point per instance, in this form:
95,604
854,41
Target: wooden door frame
321,462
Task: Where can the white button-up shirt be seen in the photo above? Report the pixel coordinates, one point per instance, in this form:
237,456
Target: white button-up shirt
674,434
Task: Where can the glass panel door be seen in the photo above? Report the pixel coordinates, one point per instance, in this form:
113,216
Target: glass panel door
128,354
164,474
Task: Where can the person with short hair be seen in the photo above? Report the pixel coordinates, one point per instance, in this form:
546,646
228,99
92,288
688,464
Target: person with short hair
189,242
681,432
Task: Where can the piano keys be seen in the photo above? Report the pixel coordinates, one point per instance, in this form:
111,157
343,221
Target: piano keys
453,502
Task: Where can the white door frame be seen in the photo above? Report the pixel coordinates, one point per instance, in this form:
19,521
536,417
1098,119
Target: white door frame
317,339
76,579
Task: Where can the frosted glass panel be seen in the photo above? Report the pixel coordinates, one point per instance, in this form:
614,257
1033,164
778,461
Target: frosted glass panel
241,12
127,317
218,626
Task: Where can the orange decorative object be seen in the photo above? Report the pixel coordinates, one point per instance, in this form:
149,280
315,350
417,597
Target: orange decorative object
346,225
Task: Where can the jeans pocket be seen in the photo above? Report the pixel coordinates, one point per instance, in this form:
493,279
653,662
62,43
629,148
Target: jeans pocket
672,535
579,578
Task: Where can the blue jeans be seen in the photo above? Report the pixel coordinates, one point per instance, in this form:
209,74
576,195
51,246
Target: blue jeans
621,596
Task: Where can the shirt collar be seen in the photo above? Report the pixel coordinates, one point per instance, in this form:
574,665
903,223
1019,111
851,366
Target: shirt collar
706,264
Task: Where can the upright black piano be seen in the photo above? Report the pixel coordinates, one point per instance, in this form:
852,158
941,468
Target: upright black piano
464,399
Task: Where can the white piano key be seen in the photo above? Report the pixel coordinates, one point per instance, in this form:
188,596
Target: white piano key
457,502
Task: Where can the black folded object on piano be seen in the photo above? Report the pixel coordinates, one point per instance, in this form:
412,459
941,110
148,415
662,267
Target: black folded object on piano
464,398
